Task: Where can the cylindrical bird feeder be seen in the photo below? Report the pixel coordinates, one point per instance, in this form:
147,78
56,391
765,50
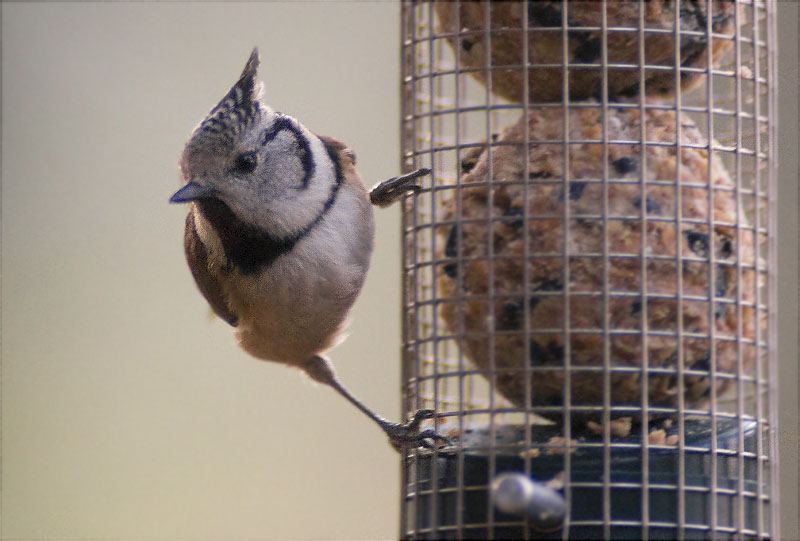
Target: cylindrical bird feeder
589,272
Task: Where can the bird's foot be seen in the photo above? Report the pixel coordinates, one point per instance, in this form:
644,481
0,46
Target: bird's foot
389,191
407,435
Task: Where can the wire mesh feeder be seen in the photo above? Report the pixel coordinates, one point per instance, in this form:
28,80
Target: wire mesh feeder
588,276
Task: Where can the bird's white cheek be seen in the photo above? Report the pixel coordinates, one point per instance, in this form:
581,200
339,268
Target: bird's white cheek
208,236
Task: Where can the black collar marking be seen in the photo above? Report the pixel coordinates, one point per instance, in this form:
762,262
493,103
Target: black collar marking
250,249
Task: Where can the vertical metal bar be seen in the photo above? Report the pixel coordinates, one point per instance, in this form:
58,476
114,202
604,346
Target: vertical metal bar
415,267
758,346
643,317
772,291
405,13
761,426
526,257
418,369
460,471
738,229
432,93
567,402
487,22
409,136
607,516
712,327
679,280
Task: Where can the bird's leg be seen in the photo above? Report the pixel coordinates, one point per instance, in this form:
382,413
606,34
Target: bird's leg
401,435
389,191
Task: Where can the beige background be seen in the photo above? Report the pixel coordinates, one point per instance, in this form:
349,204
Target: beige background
128,413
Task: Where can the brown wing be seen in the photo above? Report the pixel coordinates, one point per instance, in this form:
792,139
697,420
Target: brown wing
198,263
338,150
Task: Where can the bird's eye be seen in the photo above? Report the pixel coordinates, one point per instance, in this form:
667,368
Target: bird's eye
245,162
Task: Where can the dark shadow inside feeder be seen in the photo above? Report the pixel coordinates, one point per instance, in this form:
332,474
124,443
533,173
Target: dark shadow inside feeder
474,471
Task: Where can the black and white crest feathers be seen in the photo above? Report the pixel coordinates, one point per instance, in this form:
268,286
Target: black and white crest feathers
239,107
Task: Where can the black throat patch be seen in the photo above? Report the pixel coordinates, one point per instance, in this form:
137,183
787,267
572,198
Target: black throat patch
249,248
246,247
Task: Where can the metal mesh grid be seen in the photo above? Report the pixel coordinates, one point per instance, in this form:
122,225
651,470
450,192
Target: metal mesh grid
696,460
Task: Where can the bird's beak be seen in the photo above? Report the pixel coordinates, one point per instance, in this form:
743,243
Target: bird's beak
192,191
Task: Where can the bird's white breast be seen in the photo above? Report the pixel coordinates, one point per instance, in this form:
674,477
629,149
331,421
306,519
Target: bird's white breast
298,305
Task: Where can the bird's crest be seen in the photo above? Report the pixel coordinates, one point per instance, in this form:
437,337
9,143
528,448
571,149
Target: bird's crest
239,107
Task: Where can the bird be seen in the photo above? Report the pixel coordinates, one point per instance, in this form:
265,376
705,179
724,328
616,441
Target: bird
279,235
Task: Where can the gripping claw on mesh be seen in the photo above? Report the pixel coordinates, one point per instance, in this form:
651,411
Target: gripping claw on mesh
517,494
389,191
406,435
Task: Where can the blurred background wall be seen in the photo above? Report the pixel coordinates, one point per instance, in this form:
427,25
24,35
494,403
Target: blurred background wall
127,412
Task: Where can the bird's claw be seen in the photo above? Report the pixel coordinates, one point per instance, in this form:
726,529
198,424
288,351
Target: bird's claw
389,191
407,435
